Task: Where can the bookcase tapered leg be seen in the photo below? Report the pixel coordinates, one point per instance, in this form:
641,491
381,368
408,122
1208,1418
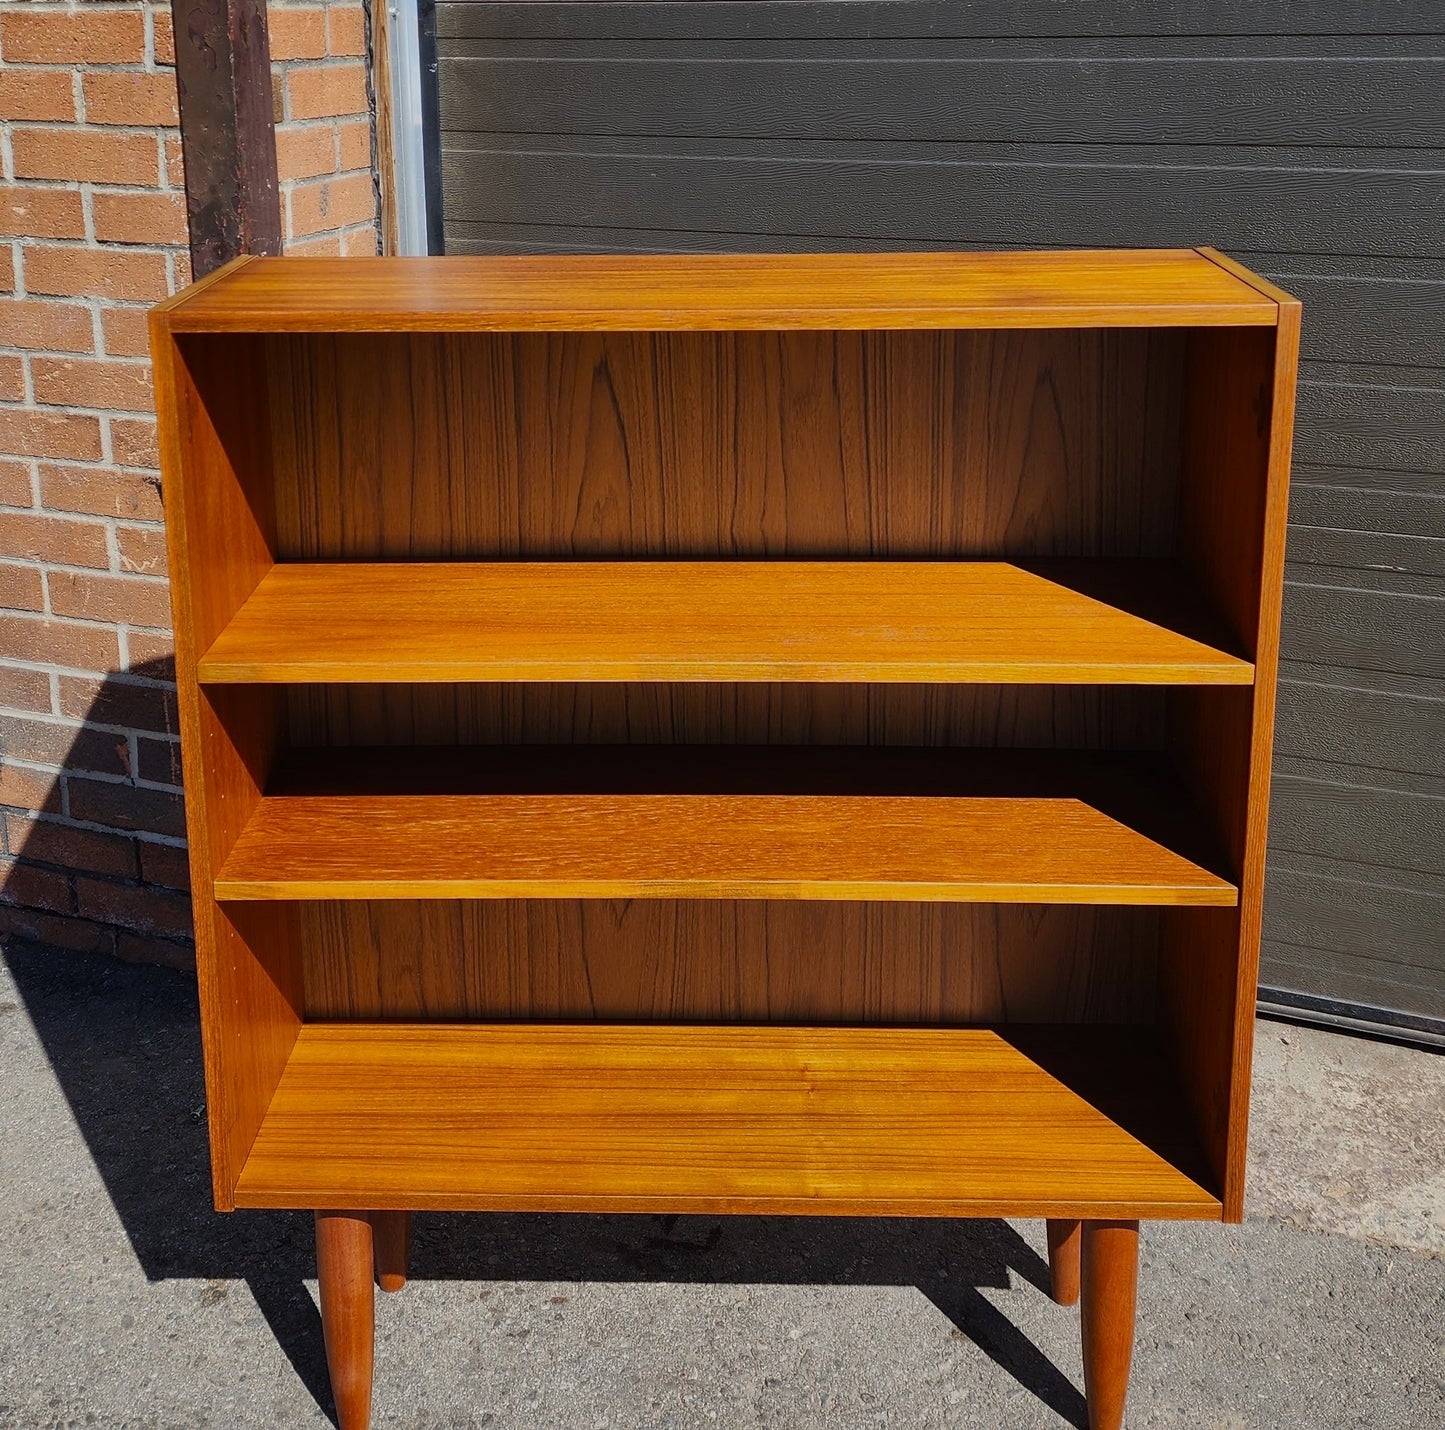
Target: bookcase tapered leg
391,1239
1064,1261
1110,1266
344,1269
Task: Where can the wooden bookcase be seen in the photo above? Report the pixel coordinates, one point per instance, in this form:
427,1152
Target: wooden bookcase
716,734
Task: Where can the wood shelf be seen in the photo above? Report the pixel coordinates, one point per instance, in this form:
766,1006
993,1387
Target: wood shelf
904,621
966,1122
722,822
659,292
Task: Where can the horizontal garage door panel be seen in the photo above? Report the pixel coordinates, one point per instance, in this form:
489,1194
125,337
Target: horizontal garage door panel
1001,99
805,19
1308,140
917,199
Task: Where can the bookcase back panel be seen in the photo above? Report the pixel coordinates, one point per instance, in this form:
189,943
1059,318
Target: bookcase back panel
728,961
999,716
844,444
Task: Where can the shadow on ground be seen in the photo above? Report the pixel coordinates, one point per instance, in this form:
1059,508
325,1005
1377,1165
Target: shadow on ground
125,1046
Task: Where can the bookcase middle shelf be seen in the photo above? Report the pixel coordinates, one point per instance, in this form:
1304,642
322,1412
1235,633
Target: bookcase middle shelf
1045,622
729,822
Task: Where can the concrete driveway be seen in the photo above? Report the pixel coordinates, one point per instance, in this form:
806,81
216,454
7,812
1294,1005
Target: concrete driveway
125,1301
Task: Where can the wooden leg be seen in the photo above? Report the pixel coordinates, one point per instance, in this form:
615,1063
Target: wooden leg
391,1236
1110,1264
343,1264
1064,1261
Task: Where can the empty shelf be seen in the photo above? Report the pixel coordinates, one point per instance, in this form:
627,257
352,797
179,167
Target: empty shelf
722,822
982,621
871,1121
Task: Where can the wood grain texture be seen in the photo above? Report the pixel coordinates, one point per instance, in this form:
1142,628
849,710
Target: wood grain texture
762,1120
391,1248
220,530
1064,1238
608,822
704,621
1166,287
763,445
1234,497
348,1323
1110,1279
1079,717
722,961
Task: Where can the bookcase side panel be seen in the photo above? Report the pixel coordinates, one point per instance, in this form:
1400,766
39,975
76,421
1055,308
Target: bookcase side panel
221,537
723,961
1234,491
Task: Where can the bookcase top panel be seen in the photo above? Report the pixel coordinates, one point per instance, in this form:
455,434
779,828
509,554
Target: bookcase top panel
679,292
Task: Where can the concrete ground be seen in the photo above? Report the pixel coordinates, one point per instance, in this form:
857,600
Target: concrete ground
125,1301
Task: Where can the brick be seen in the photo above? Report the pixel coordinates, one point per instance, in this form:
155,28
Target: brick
133,441
117,702
100,491
303,152
53,540
159,952
332,203
45,642
126,806
7,269
125,332
139,218
47,37
355,146
51,327
142,549
119,97
48,842
22,788
28,432
144,910
32,432
67,746
158,762
40,211
21,588
12,379
134,600
34,888
326,91
152,655
328,246
15,483
359,243
296,34
96,272
175,163
56,931
86,155
164,864
165,38
346,29
37,96
116,383
24,689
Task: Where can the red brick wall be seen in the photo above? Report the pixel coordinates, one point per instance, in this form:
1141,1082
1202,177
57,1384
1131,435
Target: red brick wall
323,127
92,231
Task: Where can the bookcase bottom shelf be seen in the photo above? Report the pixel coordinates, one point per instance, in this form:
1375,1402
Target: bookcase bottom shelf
1014,1121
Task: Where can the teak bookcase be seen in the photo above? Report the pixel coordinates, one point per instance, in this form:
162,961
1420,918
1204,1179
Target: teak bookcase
770,734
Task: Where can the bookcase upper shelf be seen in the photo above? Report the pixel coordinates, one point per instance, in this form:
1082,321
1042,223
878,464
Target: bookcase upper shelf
673,292
958,622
